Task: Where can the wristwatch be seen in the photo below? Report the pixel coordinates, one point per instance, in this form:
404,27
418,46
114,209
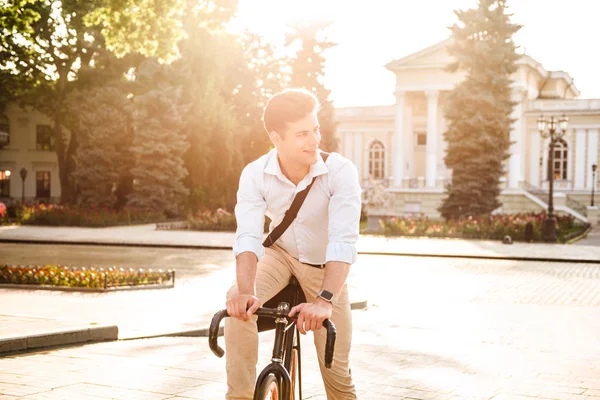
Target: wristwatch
326,295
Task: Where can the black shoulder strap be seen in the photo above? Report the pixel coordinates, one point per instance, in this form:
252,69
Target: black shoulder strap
292,212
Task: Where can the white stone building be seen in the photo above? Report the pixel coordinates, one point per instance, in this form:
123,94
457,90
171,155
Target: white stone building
30,148
403,144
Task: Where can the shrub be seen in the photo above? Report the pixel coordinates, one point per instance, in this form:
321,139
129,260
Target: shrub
486,227
58,215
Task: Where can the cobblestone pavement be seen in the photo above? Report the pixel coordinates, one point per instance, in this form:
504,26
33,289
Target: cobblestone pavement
435,329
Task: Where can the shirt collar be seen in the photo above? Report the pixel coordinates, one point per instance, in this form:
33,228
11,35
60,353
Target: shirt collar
273,167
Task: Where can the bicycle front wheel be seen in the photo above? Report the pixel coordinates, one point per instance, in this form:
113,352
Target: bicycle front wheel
269,390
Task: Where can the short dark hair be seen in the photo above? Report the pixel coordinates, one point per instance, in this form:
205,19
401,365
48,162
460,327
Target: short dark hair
289,105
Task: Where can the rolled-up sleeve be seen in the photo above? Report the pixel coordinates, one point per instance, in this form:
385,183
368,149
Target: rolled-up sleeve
250,213
344,214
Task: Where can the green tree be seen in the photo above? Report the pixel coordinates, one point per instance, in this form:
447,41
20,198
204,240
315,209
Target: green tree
209,122
260,74
228,80
479,108
308,72
159,142
103,158
47,45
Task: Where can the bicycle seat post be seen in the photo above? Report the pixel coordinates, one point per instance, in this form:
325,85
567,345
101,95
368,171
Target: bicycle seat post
280,324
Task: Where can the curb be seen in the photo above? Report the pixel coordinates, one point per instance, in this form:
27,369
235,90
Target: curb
118,244
487,257
59,338
373,253
580,236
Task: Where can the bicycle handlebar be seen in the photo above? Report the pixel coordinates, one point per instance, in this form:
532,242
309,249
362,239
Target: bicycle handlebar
213,331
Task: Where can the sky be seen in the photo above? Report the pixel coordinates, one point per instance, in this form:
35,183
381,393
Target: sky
560,34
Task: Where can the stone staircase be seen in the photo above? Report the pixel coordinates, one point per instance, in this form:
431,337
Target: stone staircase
562,202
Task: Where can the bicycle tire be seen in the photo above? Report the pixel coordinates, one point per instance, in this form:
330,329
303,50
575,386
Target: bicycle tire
269,390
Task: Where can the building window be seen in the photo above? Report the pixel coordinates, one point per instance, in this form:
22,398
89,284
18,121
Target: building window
377,160
561,160
421,139
44,138
5,127
5,183
42,185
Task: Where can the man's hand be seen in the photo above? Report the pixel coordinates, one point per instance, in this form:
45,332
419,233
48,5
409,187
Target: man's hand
312,315
242,306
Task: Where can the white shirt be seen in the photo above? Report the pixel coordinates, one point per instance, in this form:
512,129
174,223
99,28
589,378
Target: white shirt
327,225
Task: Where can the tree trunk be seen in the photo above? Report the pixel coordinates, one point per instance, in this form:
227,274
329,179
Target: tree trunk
66,192
63,147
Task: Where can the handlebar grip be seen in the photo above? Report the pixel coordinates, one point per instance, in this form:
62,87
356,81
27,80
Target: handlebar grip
213,333
330,343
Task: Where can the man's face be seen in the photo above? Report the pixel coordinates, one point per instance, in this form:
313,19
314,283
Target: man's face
300,141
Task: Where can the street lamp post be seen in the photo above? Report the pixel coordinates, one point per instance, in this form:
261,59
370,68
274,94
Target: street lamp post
593,182
556,130
23,173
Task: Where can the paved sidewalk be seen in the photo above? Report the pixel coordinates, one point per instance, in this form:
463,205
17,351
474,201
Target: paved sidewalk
592,238
436,329
147,235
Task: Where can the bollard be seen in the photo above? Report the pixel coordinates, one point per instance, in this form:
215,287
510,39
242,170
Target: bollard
529,232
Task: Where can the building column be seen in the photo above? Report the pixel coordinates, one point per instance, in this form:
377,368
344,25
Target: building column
398,145
443,171
579,182
432,137
534,163
592,156
516,136
410,160
359,150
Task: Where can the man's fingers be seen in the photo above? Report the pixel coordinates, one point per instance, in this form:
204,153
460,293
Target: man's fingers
233,307
300,324
253,307
240,310
314,324
319,324
294,310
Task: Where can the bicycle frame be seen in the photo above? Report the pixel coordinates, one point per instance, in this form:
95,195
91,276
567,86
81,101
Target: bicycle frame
286,333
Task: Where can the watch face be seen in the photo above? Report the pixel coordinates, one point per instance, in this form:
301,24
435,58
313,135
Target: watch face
326,295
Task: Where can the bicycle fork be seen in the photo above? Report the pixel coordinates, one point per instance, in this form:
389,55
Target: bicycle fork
276,367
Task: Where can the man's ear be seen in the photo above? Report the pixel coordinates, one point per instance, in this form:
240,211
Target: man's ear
275,138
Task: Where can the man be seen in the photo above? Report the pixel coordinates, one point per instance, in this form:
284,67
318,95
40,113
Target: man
318,247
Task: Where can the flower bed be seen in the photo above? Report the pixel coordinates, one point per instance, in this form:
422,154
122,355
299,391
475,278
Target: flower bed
220,220
58,215
491,227
58,276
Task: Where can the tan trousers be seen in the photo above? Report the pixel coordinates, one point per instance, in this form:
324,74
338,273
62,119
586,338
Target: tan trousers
241,338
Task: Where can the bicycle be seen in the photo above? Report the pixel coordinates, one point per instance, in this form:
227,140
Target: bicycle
277,381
